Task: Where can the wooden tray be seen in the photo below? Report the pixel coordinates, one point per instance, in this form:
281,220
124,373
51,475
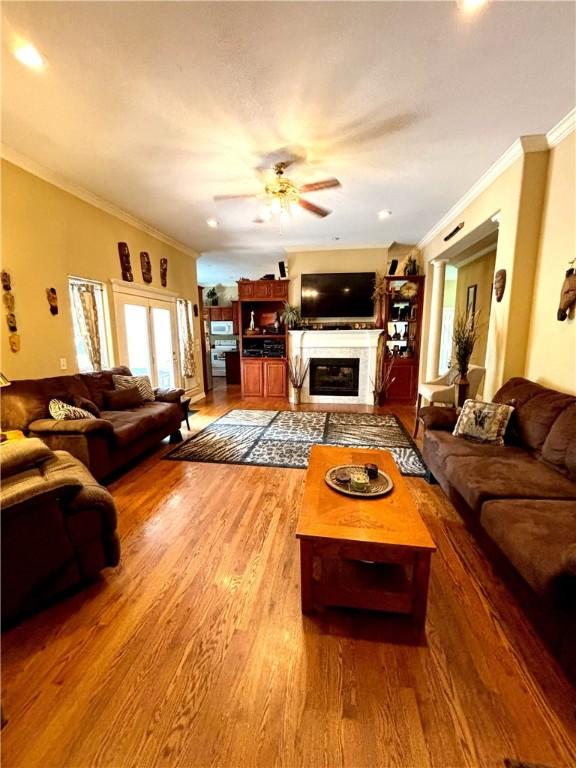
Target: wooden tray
377,488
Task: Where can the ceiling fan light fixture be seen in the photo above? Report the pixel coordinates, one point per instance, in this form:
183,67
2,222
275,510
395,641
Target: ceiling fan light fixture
470,6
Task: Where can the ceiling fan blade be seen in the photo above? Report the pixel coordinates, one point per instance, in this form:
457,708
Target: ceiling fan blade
316,185
233,197
315,209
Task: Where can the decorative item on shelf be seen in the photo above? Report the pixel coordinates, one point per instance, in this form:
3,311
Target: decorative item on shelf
52,297
297,370
164,273
405,334
252,325
408,290
378,297
125,265
396,350
567,294
146,266
291,316
411,267
384,378
464,339
396,336
212,296
499,284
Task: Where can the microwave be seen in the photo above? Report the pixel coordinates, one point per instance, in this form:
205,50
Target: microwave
221,328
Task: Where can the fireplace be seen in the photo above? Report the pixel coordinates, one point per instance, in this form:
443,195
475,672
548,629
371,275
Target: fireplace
334,376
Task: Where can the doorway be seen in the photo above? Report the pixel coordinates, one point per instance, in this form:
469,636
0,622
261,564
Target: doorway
147,337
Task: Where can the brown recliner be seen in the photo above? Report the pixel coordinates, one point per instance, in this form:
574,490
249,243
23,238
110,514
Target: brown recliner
58,526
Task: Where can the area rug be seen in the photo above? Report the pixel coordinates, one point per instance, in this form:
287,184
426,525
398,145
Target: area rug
284,438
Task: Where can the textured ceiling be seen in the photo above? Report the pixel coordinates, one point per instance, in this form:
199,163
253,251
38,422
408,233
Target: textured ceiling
158,106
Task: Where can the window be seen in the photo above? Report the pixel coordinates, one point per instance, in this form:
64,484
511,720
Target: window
87,299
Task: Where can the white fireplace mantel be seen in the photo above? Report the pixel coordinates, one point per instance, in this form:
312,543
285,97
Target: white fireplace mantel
346,344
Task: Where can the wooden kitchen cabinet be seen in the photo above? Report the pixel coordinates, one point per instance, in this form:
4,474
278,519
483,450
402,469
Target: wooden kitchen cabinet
226,313
235,318
252,378
275,378
264,377
262,289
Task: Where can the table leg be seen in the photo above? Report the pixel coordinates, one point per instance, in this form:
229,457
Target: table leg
306,585
420,577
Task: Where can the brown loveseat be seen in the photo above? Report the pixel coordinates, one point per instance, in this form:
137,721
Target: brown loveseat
58,526
103,444
520,497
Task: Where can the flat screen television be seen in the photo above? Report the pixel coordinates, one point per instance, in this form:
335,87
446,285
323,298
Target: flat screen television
343,294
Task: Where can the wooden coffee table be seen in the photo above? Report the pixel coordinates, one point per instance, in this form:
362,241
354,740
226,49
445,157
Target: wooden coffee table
362,553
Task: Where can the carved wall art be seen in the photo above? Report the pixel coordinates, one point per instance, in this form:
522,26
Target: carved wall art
125,265
164,272
146,267
567,295
10,304
499,284
52,297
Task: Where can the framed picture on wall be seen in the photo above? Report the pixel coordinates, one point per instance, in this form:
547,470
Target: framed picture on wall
471,301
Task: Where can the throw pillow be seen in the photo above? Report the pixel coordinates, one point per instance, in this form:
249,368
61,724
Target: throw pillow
129,382
121,399
87,405
483,422
64,412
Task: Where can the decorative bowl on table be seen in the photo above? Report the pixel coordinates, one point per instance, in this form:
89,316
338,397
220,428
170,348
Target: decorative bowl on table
353,480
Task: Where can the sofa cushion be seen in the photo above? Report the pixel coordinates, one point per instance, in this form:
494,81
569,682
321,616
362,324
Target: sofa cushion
520,476
443,444
121,399
539,539
483,422
97,383
20,455
131,424
559,448
536,409
27,399
141,382
65,412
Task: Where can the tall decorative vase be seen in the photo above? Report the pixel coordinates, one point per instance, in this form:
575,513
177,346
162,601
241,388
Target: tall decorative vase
297,393
376,396
379,317
462,386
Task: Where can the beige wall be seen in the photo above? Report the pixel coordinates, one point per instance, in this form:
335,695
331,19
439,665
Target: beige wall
551,358
480,273
49,234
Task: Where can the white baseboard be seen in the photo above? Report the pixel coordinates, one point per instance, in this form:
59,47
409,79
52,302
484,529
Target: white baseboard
196,397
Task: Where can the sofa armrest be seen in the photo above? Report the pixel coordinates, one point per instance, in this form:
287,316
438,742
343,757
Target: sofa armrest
436,417
168,395
70,426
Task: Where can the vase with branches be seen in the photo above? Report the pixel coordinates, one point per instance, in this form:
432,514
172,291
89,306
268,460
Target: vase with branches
297,370
384,372
464,338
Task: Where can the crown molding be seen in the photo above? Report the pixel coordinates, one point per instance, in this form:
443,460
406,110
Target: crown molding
27,164
337,247
522,146
562,129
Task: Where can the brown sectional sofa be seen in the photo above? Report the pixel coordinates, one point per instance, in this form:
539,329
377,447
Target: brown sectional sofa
58,526
520,499
103,444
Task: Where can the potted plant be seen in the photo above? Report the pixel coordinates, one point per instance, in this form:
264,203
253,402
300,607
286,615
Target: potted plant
378,295
291,316
464,338
212,296
384,370
297,370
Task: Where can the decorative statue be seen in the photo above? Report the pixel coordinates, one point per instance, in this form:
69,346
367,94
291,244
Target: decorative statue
14,341
146,267
252,325
567,294
52,297
125,265
164,272
499,284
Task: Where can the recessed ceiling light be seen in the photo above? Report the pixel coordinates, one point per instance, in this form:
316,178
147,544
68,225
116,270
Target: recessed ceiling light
28,55
386,213
213,223
470,6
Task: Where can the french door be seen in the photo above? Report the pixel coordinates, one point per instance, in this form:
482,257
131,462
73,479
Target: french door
147,338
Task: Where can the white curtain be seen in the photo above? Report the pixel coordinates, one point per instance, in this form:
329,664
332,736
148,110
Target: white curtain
186,334
86,313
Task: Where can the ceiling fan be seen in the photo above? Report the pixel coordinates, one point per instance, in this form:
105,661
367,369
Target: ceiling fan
280,193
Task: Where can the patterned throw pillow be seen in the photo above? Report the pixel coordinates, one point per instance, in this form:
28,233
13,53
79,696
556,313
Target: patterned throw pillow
141,382
64,412
483,422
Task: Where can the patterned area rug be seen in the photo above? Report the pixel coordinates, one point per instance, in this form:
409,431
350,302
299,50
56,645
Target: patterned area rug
284,438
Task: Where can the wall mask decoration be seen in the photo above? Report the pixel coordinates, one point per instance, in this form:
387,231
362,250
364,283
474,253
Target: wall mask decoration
11,320
146,267
195,310
164,272
567,295
499,284
52,297
14,341
9,302
125,265
6,282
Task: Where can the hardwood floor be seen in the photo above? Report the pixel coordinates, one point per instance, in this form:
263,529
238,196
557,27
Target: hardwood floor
194,652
